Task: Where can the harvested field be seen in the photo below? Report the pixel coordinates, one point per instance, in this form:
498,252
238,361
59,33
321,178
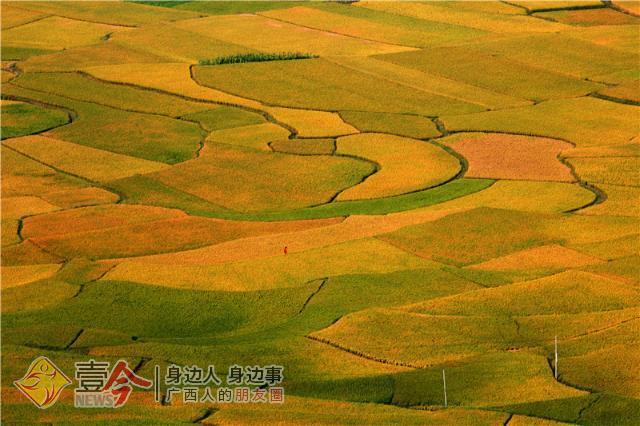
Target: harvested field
503,156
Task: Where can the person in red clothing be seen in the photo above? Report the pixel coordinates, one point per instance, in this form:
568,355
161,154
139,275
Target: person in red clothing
286,250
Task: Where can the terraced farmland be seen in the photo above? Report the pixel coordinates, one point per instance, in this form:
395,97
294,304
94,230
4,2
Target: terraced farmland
426,212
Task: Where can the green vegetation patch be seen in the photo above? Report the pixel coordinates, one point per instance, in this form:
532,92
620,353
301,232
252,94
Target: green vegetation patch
499,74
107,305
20,119
148,136
224,117
256,57
323,85
246,180
510,376
141,189
145,190
224,7
471,236
561,53
81,87
11,53
594,409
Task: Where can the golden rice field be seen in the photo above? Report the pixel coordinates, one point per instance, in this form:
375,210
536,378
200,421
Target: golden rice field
424,212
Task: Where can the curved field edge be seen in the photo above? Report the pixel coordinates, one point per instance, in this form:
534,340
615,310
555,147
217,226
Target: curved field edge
409,201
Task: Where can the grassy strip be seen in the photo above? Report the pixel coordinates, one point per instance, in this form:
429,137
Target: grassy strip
27,119
428,197
13,53
256,57
161,3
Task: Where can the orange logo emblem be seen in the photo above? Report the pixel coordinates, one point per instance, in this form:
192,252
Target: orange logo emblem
43,382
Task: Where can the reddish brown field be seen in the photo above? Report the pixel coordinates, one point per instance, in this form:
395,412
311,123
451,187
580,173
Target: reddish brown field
501,156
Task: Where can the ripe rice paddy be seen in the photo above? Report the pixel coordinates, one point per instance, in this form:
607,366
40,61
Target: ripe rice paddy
432,166
69,157
437,187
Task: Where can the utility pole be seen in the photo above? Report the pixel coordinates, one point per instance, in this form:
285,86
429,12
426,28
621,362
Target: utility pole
555,364
444,385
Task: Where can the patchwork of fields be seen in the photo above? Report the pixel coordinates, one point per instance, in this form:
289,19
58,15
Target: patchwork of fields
368,194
